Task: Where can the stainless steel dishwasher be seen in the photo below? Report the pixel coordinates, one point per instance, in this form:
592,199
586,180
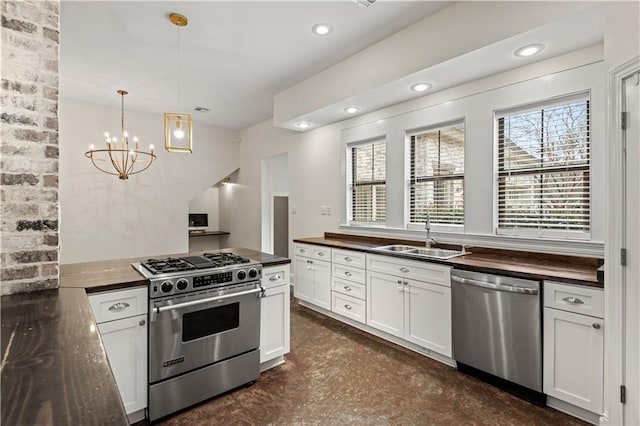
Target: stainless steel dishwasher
497,326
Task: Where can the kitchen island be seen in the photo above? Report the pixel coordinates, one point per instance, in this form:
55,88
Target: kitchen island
55,369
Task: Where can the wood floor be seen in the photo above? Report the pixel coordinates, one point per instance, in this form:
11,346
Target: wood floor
336,375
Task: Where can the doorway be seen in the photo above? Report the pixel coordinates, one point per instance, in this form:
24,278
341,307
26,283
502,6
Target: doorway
275,204
280,225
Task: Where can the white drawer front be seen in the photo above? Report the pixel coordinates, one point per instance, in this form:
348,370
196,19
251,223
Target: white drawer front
117,304
349,288
424,271
304,250
571,298
274,276
349,307
349,258
322,253
347,273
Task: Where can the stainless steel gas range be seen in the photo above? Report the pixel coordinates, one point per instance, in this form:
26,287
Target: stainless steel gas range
204,327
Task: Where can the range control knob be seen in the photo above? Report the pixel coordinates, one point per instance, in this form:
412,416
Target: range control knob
182,283
166,286
242,275
253,273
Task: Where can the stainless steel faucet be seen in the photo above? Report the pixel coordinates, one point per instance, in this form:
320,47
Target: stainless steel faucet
428,241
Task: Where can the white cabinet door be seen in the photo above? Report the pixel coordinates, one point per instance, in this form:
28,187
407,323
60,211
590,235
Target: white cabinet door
385,299
427,316
321,283
274,323
125,342
573,358
303,287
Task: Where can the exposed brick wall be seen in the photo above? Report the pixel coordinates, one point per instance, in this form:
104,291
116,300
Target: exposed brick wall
29,146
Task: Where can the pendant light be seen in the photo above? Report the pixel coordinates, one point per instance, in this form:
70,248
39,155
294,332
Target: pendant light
178,127
120,160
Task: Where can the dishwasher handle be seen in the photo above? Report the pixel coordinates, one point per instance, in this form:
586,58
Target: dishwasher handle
497,287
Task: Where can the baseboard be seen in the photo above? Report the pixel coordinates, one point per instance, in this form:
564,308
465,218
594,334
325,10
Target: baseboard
136,416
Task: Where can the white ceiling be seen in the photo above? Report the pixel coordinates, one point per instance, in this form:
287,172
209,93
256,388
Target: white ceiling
236,55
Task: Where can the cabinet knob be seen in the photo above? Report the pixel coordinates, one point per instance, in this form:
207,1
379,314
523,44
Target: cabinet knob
347,307
347,259
403,269
142,322
347,273
596,326
274,278
399,282
321,254
303,251
120,306
346,287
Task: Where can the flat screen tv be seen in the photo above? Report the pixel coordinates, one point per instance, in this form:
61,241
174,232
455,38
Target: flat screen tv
198,221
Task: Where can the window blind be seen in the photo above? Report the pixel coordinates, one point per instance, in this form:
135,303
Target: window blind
544,169
436,175
367,171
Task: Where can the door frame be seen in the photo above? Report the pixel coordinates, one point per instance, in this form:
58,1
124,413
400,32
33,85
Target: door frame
614,290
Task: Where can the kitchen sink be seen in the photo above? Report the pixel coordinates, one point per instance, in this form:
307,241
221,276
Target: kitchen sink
396,248
436,253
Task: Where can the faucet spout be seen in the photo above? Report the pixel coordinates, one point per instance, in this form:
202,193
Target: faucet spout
428,241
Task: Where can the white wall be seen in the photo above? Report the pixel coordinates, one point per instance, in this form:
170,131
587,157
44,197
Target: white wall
207,202
316,166
103,217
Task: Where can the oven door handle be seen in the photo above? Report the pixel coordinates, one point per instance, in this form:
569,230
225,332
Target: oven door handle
159,309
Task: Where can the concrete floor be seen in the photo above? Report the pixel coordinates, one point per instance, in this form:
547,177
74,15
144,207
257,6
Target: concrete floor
337,375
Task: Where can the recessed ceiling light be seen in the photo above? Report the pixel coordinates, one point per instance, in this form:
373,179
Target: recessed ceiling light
351,109
321,29
529,50
303,125
421,87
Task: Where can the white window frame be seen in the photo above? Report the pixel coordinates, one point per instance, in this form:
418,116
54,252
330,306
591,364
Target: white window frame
349,189
555,234
454,229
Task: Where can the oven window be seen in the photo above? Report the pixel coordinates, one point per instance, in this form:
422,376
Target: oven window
210,321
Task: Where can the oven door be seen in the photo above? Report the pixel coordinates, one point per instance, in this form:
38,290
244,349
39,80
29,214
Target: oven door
199,329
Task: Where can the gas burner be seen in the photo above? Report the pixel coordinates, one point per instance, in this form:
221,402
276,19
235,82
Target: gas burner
163,266
225,259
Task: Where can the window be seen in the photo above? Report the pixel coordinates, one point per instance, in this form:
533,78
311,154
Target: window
366,185
543,169
436,175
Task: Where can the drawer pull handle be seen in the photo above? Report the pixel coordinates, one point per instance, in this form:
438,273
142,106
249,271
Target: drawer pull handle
347,307
321,253
347,273
573,300
274,278
348,259
403,269
120,306
142,322
596,326
346,287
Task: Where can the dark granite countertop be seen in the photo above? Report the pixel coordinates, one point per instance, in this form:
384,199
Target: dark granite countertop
55,370
118,273
569,269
